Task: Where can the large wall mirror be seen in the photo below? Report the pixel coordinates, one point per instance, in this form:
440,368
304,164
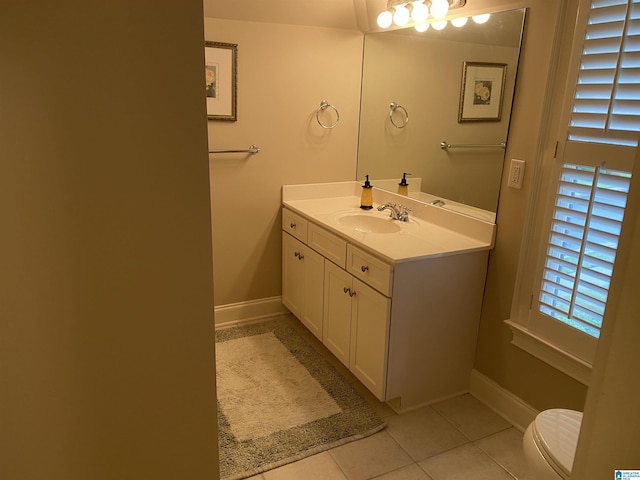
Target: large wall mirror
422,75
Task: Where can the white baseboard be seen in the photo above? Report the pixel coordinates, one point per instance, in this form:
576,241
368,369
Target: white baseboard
502,401
242,312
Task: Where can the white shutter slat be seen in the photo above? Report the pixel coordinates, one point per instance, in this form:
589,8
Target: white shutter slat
628,92
593,91
562,263
624,123
604,224
605,3
591,107
630,60
569,216
562,279
613,213
591,308
604,45
627,75
607,13
588,320
572,203
625,107
590,135
593,62
592,290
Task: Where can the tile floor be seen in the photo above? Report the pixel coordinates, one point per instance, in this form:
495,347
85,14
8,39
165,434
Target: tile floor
456,439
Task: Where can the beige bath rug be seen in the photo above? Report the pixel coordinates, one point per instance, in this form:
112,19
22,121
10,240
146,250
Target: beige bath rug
279,400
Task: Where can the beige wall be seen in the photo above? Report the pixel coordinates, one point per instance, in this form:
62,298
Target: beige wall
284,72
106,334
528,378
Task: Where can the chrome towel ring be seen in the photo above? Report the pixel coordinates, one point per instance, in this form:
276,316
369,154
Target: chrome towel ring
396,106
323,106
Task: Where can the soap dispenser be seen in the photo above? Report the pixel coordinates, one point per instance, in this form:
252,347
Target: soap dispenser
366,199
403,186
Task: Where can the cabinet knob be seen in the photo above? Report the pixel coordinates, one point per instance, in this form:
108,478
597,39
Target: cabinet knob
292,225
364,268
298,255
349,291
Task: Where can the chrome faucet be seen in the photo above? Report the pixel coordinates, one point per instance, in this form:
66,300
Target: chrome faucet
398,212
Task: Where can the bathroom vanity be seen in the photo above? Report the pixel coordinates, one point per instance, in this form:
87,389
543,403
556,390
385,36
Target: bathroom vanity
396,302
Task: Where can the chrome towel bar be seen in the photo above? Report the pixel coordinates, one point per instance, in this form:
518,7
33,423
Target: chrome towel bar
252,149
446,146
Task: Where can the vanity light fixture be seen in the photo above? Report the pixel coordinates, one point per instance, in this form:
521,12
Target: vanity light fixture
419,11
459,22
385,19
400,12
480,19
439,8
402,15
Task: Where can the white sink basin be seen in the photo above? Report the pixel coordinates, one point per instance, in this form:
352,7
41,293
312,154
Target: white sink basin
369,223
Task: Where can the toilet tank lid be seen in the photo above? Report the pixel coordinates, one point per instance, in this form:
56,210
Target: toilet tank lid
558,430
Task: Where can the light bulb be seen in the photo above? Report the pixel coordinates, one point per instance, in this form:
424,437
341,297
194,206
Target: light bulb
439,25
384,19
439,8
459,22
481,18
401,17
420,12
423,27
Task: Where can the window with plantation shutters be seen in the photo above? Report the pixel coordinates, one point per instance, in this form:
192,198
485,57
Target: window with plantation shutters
596,149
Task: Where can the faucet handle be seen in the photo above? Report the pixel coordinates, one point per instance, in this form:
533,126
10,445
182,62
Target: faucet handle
404,215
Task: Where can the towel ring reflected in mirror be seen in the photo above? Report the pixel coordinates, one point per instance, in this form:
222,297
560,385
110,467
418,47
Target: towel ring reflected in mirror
393,107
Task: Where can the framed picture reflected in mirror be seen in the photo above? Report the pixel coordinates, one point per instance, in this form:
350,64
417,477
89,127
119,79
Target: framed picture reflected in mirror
482,92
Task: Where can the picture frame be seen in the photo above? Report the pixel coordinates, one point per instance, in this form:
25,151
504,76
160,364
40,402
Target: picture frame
221,77
482,92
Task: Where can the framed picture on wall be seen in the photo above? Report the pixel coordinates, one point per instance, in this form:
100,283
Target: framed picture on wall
221,72
482,92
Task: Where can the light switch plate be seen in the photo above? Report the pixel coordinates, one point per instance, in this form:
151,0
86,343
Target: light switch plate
516,173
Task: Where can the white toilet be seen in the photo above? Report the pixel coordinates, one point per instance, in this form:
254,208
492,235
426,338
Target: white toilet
550,441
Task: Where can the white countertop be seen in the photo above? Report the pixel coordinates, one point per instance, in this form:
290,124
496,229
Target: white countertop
430,232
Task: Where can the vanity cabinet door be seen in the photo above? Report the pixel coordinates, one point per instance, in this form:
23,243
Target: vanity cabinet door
303,283
338,292
369,338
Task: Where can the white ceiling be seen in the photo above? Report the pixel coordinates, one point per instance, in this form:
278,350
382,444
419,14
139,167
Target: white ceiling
347,14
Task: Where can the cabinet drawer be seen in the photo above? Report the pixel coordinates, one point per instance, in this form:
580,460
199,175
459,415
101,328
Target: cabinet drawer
331,246
294,224
370,270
